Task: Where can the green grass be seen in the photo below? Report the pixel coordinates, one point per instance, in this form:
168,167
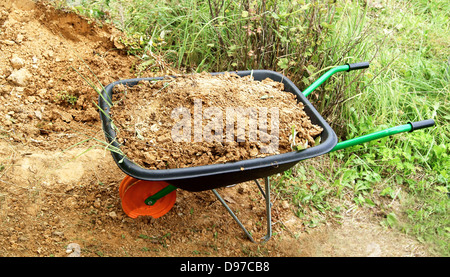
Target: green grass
407,44
413,85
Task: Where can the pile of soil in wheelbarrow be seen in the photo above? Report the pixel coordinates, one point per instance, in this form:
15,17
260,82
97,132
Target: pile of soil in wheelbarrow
202,119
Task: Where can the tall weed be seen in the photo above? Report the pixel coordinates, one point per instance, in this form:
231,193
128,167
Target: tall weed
301,39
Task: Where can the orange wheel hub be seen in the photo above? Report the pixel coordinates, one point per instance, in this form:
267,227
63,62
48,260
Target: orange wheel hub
134,192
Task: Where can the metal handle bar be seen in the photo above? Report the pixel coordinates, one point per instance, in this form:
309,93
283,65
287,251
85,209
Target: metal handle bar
324,77
409,127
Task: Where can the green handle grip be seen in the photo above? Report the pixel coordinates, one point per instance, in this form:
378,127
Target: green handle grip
411,126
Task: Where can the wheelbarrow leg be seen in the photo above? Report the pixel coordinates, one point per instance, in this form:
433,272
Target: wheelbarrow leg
266,195
268,210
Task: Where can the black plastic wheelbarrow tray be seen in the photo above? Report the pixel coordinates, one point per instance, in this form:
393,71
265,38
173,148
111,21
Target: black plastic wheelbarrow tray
211,177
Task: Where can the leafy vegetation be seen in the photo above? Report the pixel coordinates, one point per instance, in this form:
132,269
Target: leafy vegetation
407,43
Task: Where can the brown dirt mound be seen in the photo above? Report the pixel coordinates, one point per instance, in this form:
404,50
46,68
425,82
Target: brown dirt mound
201,119
55,194
44,53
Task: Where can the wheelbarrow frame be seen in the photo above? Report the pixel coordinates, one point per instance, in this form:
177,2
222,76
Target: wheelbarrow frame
206,177
211,177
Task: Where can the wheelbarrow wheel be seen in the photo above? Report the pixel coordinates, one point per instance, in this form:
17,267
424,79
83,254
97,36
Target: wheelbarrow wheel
133,193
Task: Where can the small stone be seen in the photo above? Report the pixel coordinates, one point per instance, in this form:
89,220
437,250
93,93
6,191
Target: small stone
65,116
20,77
70,202
42,92
23,238
38,114
58,233
7,42
74,249
48,54
149,158
31,98
154,128
165,138
19,38
253,152
97,203
17,62
113,214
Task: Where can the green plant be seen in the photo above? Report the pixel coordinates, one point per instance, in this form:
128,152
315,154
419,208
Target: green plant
300,38
92,8
427,218
67,97
307,189
161,239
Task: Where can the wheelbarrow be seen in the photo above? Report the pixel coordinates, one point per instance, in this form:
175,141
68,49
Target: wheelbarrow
146,192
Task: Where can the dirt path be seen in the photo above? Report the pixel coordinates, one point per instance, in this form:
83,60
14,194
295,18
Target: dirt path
55,194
